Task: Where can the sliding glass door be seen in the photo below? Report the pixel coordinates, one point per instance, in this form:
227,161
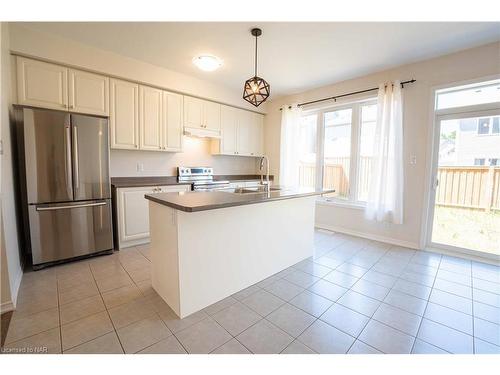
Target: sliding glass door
465,199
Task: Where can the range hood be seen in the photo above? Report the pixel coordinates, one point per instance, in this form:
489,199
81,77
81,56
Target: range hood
201,133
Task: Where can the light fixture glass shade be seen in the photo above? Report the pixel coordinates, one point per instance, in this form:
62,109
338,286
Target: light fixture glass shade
207,63
256,90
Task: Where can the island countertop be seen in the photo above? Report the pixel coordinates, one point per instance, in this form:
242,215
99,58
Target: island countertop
193,201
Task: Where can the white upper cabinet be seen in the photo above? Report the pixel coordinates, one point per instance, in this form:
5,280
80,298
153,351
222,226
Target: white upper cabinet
124,114
212,116
257,141
41,84
150,118
245,129
45,85
172,111
88,93
241,133
193,112
201,114
229,130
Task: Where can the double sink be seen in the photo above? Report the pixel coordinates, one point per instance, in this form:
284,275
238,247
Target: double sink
256,189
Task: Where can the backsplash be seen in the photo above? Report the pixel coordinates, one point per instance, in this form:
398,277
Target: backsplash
124,163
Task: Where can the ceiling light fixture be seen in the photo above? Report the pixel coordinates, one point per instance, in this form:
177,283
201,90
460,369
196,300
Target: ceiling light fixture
256,89
207,63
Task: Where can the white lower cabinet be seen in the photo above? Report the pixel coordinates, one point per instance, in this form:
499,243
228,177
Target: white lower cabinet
133,212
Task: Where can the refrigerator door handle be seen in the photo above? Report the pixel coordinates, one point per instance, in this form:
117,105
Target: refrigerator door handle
76,160
70,206
67,149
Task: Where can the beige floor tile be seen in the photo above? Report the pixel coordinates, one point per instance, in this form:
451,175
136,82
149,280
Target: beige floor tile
25,326
131,312
175,324
236,318
113,282
297,347
80,309
170,345
69,283
231,347
79,292
265,338
107,344
119,296
145,287
143,333
106,271
28,304
85,329
203,337
136,264
140,274
48,342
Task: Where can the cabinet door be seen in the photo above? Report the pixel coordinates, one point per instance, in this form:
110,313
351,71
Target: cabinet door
150,118
172,121
42,84
88,93
124,114
193,112
229,127
245,126
257,135
212,116
133,214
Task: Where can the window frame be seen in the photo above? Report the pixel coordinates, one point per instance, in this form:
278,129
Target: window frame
355,106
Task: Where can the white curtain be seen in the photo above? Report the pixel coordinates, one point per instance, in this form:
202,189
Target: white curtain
385,195
289,155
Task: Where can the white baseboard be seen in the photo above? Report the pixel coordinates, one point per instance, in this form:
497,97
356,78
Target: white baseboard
6,307
369,236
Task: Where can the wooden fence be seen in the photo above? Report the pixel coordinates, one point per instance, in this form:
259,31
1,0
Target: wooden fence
466,187
469,187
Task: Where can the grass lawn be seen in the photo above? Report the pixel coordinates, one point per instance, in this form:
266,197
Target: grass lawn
470,229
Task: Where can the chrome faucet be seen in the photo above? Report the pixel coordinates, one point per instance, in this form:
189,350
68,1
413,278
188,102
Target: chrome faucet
267,183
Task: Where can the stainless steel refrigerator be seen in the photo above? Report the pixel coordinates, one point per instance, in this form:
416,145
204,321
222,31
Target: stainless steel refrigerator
64,169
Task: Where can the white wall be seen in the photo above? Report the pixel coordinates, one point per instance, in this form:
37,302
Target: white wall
465,65
123,163
9,256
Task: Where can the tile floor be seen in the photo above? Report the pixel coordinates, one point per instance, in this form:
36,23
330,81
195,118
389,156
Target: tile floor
353,296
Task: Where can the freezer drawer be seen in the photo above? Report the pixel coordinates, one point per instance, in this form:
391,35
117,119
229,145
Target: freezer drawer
66,230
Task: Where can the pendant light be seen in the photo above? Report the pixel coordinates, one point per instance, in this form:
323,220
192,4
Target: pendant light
256,89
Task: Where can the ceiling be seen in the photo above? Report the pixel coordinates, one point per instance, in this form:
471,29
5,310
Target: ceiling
293,57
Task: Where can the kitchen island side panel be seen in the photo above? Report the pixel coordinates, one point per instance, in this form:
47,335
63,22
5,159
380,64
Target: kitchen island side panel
164,254
226,250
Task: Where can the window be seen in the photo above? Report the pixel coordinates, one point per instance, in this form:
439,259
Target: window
488,126
493,162
479,162
467,95
342,150
337,151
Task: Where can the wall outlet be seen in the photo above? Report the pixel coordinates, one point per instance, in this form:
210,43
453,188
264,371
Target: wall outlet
413,160
140,167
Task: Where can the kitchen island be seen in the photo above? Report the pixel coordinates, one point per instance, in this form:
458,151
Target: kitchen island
206,246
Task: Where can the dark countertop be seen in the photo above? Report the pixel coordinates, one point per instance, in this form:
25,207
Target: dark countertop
121,182
194,201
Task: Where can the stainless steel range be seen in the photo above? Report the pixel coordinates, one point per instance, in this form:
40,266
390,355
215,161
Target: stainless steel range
202,178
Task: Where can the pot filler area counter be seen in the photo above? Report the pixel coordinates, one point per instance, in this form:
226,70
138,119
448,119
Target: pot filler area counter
206,246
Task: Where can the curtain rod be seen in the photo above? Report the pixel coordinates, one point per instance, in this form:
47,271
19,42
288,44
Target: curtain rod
334,98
